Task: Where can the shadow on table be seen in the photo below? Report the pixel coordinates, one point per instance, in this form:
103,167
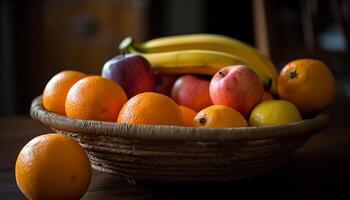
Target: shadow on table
290,181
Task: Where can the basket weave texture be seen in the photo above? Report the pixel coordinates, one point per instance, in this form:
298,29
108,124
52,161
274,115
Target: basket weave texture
182,154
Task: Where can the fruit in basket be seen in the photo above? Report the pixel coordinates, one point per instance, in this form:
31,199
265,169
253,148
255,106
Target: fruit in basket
165,82
219,116
192,61
95,98
307,83
192,92
56,90
274,112
187,115
219,43
267,96
150,108
237,87
53,166
132,72
196,61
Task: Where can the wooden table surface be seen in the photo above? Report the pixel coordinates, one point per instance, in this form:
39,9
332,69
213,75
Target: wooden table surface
319,170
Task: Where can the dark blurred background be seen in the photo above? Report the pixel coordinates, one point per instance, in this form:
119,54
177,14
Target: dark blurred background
41,38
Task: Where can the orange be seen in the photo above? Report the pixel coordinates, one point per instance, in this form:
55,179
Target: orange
219,116
187,115
151,108
95,98
55,92
267,96
307,83
53,166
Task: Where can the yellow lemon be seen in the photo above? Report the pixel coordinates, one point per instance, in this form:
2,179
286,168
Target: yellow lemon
274,112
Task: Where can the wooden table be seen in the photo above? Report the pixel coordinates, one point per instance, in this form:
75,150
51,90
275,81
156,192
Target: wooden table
319,170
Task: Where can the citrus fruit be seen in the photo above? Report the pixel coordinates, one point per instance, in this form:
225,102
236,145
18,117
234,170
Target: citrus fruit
55,92
267,96
187,115
53,166
150,108
95,98
219,116
307,83
274,112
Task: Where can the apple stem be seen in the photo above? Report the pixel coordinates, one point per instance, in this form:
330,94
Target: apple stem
221,73
202,120
293,74
123,53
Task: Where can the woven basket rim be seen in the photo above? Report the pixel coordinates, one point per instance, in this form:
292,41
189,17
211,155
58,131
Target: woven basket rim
174,133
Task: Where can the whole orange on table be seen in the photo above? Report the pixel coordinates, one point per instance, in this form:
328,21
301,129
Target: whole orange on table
53,166
95,98
151,108
56,90
307,83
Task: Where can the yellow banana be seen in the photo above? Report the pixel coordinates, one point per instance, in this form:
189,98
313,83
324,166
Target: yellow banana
249,54
197,62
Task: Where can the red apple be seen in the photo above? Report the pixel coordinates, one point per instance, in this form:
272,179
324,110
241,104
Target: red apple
165,82
238,87
192,92
132,72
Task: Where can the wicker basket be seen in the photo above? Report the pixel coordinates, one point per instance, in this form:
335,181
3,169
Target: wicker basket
182,154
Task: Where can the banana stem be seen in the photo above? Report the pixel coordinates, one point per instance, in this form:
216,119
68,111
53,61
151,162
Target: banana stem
127,45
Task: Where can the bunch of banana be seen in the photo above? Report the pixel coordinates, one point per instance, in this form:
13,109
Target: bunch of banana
202,54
